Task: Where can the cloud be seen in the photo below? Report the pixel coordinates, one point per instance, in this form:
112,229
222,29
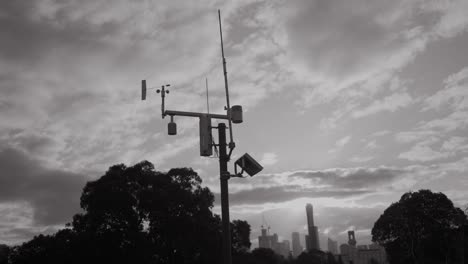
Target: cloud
421,152
455,144
269,158
52,194
371,144
346,49
351,178
359,159
424,149
380,133
350,54
331,183
415,135
455,93
343,141
455,96
390,103
280,194
339,144
444,126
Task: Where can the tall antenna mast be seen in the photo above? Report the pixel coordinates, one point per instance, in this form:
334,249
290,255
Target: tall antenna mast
228,107
245,162
207,100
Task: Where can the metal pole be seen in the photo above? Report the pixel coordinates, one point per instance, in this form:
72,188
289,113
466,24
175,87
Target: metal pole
224,177
228,106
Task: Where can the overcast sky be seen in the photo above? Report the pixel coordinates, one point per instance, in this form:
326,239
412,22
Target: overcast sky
347,104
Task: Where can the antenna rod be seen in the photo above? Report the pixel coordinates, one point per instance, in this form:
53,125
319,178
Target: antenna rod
163,94
207,102
231,143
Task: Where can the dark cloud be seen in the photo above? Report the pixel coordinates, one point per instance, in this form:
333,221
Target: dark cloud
53,194
27,36
333,183
352,178
343,38
277,194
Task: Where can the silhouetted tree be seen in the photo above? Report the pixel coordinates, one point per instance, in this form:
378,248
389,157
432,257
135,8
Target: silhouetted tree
4,253
137,212
56,248
423,227
138,215
240,234
312,257
331,259
340,260
265,256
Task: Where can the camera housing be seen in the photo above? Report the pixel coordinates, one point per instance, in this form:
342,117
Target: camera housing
248,164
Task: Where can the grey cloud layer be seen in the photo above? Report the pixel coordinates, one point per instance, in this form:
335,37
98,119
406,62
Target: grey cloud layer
70,72
333,183
287,193
53,194
360,178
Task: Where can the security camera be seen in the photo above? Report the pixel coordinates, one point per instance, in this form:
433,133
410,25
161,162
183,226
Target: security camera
248,164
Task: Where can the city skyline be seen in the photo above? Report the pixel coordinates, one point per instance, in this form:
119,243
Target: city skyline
300,241
347,104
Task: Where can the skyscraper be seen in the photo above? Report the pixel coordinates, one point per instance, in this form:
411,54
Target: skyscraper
351,238
313,242
264,241
296,244
332,246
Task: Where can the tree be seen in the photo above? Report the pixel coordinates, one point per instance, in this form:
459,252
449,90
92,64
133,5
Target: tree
331,258
240,235
340,260
139,215
4,253
312,256
138,212
56,248
265,256
422,227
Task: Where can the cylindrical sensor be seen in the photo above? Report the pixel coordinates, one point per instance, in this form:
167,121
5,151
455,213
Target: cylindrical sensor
206,146
236,114
143,89
172,128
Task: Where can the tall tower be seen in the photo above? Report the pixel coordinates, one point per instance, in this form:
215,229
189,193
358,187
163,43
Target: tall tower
296,244
351,238
332,246
264,241
313,242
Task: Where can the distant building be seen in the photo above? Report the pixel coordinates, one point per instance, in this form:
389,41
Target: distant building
296,244
362,254
351,238
271,241
283,248
267,241
332,246
312,241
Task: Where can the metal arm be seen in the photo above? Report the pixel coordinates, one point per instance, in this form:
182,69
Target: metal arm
193,114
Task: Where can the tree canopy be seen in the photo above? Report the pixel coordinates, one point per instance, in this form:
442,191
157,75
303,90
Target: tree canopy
139,215
423,227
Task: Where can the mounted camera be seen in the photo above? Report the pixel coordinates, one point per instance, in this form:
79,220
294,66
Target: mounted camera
247,164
